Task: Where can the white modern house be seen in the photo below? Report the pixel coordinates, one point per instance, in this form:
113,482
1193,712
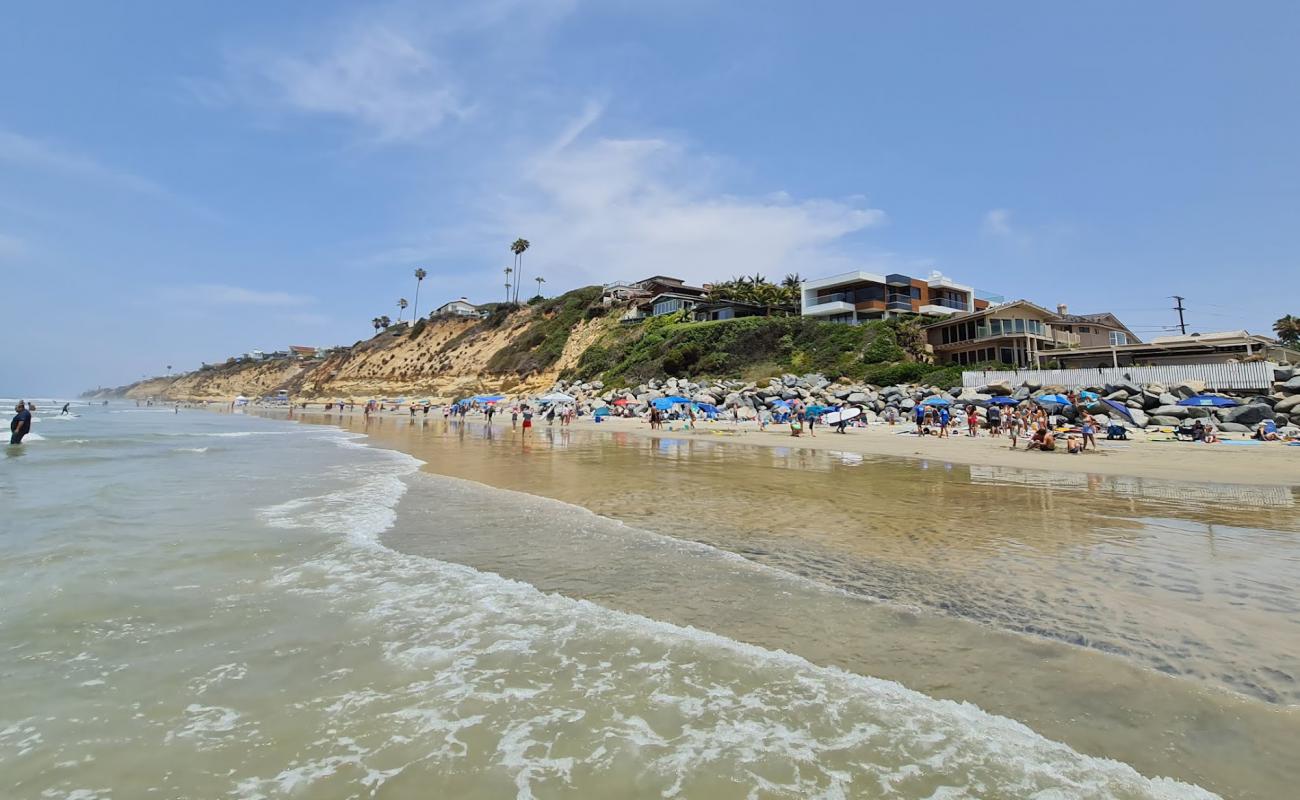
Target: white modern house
860,296
459,308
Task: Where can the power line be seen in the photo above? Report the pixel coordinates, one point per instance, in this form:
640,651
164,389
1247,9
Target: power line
1179,308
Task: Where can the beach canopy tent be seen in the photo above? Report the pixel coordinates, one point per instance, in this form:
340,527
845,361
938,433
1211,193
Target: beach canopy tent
489,398
818,410
1121,409
665,403
1053,400
1002,401
936,401
1208,400
780,404
556,397
707,408
603,411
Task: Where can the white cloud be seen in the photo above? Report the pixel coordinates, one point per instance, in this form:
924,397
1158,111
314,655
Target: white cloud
997,222
213,294
597,209
369,74
30,152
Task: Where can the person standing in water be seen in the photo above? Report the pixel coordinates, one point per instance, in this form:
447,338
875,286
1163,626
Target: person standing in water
65,411
21,424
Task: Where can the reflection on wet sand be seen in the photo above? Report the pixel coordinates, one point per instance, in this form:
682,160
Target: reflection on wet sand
1194,584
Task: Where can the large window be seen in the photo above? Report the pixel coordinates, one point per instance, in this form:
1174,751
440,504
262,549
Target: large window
1020,325
1118,338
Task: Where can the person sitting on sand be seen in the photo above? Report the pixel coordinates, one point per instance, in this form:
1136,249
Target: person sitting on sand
1043,439
1266,431
1073,444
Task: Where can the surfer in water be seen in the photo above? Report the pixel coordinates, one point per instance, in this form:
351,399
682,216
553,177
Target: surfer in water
65,412
21,424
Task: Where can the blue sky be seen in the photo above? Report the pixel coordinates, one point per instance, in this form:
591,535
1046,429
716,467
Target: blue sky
183,181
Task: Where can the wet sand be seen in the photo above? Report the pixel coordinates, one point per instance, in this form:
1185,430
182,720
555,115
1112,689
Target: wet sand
1141,619
1143,456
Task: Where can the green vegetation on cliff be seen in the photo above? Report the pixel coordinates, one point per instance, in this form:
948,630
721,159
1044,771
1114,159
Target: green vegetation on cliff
671,346
543,341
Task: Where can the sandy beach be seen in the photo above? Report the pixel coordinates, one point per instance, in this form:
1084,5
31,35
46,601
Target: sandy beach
1143,456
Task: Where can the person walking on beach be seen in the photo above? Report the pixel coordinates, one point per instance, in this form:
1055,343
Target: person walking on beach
944,419
491,412
514,416
1089,432
21,424
528,418
972,421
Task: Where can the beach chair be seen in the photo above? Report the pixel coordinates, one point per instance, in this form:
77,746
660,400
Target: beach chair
1116,431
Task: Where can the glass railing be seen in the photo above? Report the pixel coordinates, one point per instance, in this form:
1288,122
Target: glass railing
837,297
946,303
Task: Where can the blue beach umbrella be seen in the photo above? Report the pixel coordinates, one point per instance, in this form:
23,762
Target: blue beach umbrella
1053,399
818,410
707,408
1208,400
780,404
1087,395
1002,401
1120,408
935,401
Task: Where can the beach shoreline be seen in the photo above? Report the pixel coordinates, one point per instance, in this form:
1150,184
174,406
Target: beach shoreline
1142,456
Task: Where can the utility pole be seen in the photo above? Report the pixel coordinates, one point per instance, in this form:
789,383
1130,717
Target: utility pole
1179,308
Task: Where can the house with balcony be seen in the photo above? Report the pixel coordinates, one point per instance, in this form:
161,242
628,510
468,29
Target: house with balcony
1016,333
661,294
713,310
1219,347
855,297
459,308
1095,330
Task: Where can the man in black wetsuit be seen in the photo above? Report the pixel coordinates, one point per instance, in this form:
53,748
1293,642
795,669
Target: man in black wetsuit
21,424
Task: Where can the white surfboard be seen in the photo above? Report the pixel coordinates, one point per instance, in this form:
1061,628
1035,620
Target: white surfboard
835,417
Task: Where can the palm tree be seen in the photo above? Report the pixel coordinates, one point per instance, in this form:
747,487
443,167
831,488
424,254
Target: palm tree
385,322
401,305
1288,330
518,246
508,271
377,324
540,280
419,278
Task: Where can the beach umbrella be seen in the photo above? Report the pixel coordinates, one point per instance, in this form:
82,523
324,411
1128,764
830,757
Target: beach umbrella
622,401
676,398
819,410
935,401
707,408
1209,400
1002,401
780,404
1053,399
1087,395
1120,408
601,412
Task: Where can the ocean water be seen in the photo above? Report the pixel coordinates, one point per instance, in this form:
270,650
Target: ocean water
203,605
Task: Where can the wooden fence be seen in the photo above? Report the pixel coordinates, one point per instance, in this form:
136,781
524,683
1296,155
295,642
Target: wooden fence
1255,375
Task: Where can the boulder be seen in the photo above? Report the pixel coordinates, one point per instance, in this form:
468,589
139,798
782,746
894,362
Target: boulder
703,397
1233,427
855,397
1283,374
996,388
1161,419
908,404
1189,387
1022,393
1119,395
1249,415
1032,386
1291,385
1140,417
1287,405
1167,399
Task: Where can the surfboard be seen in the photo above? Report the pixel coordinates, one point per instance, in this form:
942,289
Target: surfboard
835,417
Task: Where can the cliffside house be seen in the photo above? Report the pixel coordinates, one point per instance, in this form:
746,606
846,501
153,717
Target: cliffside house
858,296
1015,333
1219,347
661,294
302,351
1095,330
459,308
709,310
